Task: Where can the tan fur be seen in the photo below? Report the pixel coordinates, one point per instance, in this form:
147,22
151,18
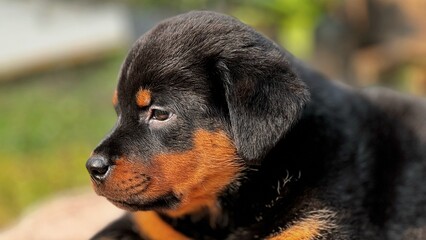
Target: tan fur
150,225
115,98
309,228
208,168
197,175
143,98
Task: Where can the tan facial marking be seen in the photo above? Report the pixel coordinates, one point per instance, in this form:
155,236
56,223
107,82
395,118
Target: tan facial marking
143,98
196,176
150,225
126,179
201,173
115,98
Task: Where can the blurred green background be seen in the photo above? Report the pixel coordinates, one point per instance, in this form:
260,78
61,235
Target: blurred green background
53,111
49,124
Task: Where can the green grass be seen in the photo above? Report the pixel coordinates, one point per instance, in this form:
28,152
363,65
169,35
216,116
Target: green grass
49,125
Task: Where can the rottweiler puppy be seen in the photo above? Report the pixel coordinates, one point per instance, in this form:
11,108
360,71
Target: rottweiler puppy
222,134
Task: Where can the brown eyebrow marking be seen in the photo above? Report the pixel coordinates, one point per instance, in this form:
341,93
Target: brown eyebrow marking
115,98
143,97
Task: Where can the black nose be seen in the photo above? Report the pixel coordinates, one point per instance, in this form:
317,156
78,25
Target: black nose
98,167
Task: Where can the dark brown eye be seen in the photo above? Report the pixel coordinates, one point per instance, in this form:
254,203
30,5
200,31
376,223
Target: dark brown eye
160,115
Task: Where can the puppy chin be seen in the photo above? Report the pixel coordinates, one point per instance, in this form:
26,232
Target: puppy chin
163,202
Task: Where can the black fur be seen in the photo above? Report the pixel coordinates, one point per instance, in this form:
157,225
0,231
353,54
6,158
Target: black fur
309,144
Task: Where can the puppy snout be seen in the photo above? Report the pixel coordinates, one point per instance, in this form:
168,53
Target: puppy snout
98,167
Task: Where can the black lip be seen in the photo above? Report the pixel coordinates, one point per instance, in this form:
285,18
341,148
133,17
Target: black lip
166,201
125,205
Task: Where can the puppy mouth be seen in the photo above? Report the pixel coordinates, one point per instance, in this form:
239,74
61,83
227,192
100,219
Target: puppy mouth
163,202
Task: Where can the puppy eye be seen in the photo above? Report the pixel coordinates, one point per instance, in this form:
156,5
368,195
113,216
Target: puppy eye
156,117
160,115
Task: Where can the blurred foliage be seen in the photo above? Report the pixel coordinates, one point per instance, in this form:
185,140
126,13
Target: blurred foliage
49,125
177,5
289,22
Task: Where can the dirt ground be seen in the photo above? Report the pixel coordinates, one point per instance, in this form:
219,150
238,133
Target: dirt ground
76,214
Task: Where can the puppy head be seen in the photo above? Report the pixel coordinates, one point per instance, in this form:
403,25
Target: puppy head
199,97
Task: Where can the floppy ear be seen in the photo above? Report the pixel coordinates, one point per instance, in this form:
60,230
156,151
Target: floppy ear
264,96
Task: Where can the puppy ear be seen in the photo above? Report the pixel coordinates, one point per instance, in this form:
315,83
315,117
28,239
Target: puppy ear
264,96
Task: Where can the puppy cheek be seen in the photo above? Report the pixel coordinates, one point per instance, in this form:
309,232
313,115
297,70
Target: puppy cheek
199,174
